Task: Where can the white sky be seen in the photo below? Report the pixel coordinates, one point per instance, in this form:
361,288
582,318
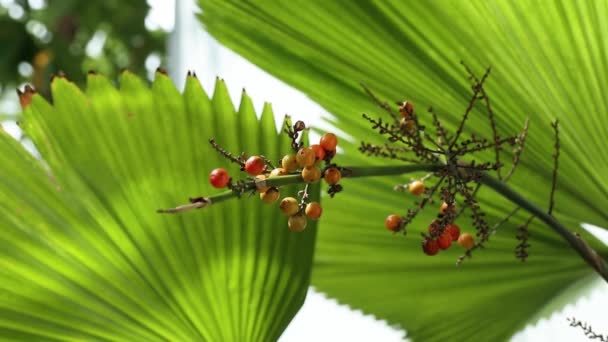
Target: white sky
320,319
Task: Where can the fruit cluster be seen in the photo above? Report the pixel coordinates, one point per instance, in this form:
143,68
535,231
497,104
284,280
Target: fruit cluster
441,232
306,162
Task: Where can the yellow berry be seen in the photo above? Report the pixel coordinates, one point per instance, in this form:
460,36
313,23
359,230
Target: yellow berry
289,162
279,171
416,187
311,174
313,210
297,223
270,196
305,157
289,206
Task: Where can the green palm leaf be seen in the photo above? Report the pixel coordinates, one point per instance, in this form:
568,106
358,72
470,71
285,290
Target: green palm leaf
548,62
85,256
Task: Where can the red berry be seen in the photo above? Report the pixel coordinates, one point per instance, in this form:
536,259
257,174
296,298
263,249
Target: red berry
393,223
219,178
319,153
329,141
430,247
453,230
444,241
255,165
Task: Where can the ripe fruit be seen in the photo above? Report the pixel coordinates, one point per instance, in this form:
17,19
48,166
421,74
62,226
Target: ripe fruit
453,230
219,178
279,171
263,189
305,157
329,141
332,176
255,165
466,240
314,210
289,162
289,206
444,241
416,187
311,174
430,246
393,222
444,207
270,196
319,152
297,223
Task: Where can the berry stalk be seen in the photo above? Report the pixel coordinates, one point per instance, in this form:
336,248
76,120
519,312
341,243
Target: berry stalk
575,241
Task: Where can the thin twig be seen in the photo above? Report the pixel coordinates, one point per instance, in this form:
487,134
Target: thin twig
476,90
555,126
237,160
491,117
383,105
521,141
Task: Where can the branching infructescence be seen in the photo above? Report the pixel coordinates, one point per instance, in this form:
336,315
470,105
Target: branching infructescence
587,329
454,172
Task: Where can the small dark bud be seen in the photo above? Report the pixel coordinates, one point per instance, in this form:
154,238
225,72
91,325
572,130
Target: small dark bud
299,126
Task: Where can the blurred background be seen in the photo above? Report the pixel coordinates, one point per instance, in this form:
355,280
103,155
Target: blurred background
40,38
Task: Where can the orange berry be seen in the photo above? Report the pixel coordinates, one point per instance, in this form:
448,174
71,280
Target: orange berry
297,223
279,171
255,165
332,176
289,206
311,174
319,153
430,246
329,141
305,157
270,196
393,222
219,178
289,162
444,241
453,230
313,210
466,240
416,187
